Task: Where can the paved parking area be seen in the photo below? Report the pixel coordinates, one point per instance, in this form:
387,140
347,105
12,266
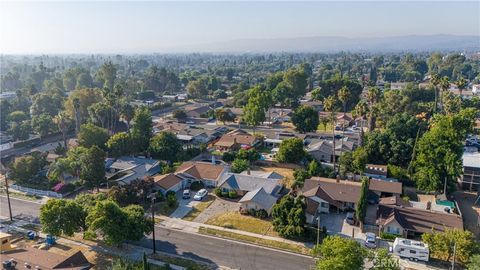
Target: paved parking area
219,206
335,224
184,206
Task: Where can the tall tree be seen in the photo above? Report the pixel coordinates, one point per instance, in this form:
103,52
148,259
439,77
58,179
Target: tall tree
343,96
142,128
165,146
461,84
361,208
62,217
329,106
93,167
305,119
91,135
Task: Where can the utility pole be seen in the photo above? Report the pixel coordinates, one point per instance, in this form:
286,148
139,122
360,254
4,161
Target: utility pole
152,197
454,251
8,196
318,230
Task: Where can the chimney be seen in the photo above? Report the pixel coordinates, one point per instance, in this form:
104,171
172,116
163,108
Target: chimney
338,178
234,140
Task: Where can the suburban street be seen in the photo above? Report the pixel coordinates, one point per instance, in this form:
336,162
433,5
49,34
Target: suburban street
198,247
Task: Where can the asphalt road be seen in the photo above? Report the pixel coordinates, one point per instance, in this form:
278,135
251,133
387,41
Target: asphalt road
19,207
223,252
199,247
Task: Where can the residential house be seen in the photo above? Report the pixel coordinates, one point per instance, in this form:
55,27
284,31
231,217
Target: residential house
197,110
168,182
258,199
317,105
260,190
322,150
124,170
324,195
236,139
39,259
206,172
410,222
470,179
398,85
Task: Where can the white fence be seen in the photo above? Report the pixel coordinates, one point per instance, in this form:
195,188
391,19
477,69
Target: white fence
37,191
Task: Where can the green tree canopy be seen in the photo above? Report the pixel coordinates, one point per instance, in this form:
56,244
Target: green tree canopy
291,151
142,128
341,254
91,135
120,144
305,119
165,146
93,167
289,217
60,216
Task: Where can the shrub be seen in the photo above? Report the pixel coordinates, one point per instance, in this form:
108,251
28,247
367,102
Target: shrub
228,225
262,213
170,192
171,200
217,192
160,196
388,236
224,194
197,185
252,212
232,194
239,165
228,156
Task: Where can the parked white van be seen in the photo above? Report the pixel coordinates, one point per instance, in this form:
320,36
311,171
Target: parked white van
411,249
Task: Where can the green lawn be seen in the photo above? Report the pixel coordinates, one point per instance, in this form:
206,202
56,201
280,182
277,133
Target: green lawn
235,220
199,208
162,208
255,240
328,129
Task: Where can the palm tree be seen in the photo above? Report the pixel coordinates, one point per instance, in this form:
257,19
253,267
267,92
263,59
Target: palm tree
461,84
343,96
329,106
435,80
361,110
61,120
444,85
373,96
78,117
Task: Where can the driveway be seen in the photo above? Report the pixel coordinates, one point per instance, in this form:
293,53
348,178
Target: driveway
469,211
184,206
335,224
219,206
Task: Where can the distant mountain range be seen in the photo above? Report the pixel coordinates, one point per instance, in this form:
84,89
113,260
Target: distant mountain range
335,44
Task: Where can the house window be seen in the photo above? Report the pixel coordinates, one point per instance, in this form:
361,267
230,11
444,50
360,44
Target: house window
393,230
413,252
324,205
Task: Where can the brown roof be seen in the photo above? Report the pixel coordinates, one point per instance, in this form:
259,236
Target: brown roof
330,190
312,206
393,200
167,181
418,220
385,186
230,139
47,260
201,170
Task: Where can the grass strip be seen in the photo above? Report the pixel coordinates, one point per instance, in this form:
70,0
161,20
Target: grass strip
255,240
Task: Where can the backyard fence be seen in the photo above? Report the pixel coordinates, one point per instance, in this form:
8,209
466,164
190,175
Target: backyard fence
37,192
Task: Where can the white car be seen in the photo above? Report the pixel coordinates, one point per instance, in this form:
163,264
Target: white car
370,240
202,193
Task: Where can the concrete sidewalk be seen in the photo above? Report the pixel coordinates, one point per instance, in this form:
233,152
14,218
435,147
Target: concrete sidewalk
193,227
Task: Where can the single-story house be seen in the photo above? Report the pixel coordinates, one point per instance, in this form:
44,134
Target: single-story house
385,188
243,183
206,172
412,222
34,258
235,140
168,182
322,150
258,199
197,110
324,195
124,170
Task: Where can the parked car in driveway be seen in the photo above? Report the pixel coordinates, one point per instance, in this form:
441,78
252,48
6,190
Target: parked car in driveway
202,193
370,240
186,194
350,218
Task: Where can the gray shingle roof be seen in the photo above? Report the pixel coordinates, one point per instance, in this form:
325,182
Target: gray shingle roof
260,197
250,182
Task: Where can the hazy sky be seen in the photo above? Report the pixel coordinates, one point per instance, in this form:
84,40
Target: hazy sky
78,27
